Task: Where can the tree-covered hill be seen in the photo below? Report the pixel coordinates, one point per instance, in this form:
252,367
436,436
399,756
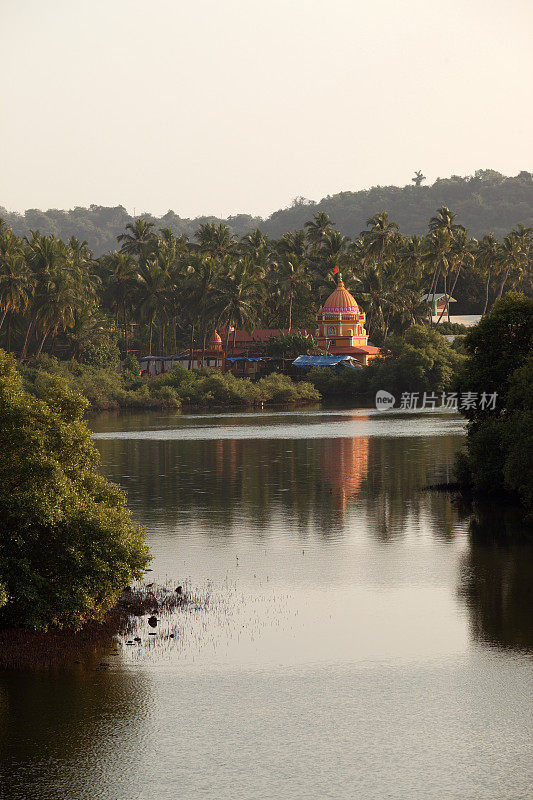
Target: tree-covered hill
485,202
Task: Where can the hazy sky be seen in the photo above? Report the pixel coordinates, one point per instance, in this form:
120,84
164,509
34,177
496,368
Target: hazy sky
228,106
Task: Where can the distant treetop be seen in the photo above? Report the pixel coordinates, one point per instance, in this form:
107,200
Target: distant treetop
484,202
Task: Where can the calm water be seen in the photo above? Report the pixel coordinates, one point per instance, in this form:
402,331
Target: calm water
359,641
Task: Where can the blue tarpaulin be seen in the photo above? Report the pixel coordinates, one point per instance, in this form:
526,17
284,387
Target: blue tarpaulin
325,361
233,359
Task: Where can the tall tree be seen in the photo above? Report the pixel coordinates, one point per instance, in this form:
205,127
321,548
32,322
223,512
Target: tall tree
240,294
139,239
487,257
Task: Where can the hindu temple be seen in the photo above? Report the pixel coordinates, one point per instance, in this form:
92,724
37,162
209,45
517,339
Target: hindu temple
341,327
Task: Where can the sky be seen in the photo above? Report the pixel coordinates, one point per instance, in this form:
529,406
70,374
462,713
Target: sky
238,106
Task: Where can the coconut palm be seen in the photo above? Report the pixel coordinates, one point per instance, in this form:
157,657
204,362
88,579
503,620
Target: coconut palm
295,279
138,239
56,305
16,286
293,242
487,258
381,241
318,230
514,255
437,256
240,294
461,253
201,290
120,282
153,295
411,254
377,292
254,243
444,221
216,240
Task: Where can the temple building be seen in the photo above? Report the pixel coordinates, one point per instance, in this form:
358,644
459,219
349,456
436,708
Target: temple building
341,333
341,327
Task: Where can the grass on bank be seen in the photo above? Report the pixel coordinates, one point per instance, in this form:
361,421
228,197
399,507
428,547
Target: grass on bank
108,390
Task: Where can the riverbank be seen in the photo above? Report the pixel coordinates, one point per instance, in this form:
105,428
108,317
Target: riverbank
109,390
420,362
139,609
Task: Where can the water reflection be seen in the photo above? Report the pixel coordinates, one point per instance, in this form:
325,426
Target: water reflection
356,620
317,482
62,732
497,578
344,468
328,487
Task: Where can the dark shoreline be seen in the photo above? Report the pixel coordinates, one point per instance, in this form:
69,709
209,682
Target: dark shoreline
25,649
264,406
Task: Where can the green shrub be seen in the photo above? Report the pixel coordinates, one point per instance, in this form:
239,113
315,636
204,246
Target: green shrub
104,354
348,383
276,388
420,362
68,545
499,446
166,397
451,328
107,389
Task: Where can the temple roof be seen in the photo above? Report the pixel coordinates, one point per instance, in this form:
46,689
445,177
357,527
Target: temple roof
341,301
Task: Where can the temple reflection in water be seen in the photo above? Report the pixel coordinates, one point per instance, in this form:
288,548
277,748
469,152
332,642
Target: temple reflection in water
344,468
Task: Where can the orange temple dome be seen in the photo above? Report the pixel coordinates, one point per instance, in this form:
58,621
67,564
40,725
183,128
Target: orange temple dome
341,301
215,340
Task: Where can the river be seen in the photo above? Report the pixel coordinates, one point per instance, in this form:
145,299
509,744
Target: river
357,637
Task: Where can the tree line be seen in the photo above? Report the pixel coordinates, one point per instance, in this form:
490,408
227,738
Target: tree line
159,292
486,201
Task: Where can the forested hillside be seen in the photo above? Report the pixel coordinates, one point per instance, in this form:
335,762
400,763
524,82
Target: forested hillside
486,202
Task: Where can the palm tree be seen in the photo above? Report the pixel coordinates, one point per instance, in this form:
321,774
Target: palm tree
153,294
418,177
255,244
318,229
444,221
381,241
121,279
461,252
514,255
201,289
47,258
487,257
411,254
293,242
438,247
378,295
240,293
216,240
295,279
56,305
138,239
333,253
16,286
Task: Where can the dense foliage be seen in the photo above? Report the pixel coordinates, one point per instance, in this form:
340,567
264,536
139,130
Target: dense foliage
162,293
499,447
486,201
68,546
108,390
420,362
